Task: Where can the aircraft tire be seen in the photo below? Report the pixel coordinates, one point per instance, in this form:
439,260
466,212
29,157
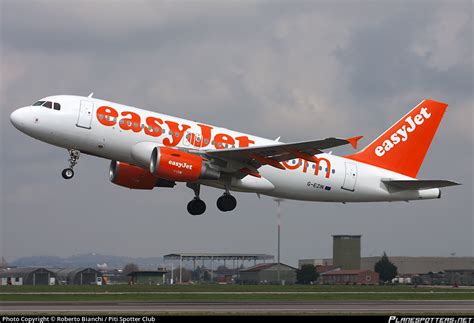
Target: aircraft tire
67,173
196,207
226,203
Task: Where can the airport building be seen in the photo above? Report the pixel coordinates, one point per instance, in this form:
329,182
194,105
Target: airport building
271,273
77,276
406,265
346,251
50,276
27,276
148,277
350,277
418,265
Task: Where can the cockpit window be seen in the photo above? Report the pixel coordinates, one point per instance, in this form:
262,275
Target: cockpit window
48,104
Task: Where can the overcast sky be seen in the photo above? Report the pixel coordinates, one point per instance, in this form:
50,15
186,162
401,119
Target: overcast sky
297,69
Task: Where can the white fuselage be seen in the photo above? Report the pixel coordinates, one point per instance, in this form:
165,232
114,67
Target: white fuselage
81,124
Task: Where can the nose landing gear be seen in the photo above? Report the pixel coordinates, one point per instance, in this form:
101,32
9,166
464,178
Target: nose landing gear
74,154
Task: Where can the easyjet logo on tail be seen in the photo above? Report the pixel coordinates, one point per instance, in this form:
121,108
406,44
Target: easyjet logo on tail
403,133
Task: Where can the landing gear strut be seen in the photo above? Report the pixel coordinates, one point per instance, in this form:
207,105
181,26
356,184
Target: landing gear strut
226,202
74,154
196,206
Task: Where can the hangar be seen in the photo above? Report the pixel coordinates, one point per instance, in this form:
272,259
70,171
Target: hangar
27,276
76,276
270,273
150,277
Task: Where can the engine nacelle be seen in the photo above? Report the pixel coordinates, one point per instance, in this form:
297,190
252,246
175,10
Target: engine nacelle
131,176
176,165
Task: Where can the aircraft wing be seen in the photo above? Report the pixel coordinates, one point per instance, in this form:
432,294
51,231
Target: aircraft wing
418,184
274,154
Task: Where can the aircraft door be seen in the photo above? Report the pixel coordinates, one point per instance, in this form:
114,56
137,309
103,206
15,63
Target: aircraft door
350,177
85,115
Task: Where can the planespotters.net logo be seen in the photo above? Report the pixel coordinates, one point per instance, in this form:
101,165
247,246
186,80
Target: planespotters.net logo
180,164
396,319
402,134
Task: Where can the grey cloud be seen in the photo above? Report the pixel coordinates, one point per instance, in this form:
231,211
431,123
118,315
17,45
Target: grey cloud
302,70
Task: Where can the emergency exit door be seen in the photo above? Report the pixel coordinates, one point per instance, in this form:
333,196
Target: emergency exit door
350,177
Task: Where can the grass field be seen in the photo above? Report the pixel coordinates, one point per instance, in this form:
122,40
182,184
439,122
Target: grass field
229,293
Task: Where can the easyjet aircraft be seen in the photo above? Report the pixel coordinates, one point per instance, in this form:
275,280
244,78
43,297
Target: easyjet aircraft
150,149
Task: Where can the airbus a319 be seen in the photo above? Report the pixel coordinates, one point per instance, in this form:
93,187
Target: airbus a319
149,149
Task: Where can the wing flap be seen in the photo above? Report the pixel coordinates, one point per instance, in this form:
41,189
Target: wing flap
418,184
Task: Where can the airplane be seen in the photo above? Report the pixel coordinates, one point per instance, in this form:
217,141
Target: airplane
149,149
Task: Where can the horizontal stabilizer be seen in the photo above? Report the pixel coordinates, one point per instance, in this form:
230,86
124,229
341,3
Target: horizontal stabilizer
418,184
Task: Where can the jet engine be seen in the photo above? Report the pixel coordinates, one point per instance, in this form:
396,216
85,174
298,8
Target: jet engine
172,164
180,166
135,177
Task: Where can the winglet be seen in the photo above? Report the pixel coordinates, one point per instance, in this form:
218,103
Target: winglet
90,95
354,140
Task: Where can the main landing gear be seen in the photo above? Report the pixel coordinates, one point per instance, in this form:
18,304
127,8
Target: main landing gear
74,154
196,206
225,203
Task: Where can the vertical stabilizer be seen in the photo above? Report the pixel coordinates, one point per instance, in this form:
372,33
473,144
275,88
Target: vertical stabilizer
403,146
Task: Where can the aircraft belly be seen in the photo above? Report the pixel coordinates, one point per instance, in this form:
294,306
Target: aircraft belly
298,185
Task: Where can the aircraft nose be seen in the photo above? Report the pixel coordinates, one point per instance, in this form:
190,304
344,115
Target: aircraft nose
17,118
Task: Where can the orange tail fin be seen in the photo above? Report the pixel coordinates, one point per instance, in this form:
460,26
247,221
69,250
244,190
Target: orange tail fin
403,147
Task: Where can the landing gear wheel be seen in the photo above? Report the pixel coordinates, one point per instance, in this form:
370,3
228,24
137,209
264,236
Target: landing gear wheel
196,207
226,202
74,154
67,173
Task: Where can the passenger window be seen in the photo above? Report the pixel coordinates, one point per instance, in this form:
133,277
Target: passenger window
333,171
48,104
57,106
38,103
